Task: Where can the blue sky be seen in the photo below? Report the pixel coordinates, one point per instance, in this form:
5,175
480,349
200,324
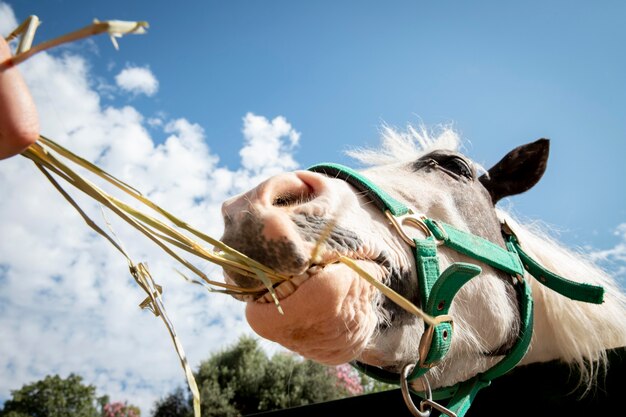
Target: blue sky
219,78
503,73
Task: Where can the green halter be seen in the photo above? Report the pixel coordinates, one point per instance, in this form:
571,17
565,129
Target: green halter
437,290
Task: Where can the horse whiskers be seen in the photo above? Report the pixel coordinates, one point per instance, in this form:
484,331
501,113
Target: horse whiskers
387,291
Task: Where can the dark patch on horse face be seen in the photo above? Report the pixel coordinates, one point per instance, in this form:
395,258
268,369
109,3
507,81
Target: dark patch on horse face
342,240
311,228
402,281
279,254
456,176
345,241
452,163
473,202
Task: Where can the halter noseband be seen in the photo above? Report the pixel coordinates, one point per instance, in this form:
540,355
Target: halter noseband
437,290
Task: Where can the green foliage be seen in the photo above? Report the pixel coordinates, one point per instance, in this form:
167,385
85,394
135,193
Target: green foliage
371,385
176,404
15,414
243,380
53,397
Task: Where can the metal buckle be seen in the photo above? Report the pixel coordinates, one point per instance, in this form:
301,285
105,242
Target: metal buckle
427,339
410,219
508,232
504,226
427,404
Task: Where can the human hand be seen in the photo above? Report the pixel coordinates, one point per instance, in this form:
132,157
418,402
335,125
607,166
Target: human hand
19,123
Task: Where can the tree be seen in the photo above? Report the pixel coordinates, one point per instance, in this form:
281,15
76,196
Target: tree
243,379
176,404
53,397
371,385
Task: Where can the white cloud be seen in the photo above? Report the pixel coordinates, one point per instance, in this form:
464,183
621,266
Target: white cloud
614,259
8,22
67,302
266,148
155,122
137,80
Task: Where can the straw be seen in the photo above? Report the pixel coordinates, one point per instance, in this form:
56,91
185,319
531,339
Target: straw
162,233
155,229
115,29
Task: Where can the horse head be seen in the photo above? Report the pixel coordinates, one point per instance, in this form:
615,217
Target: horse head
333,316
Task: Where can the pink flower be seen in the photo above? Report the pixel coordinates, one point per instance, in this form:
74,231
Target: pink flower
119,409
348,378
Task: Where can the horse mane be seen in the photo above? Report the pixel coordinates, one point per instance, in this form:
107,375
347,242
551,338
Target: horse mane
408,145
581,332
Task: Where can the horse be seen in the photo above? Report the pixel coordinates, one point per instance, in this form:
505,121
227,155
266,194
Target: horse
331,315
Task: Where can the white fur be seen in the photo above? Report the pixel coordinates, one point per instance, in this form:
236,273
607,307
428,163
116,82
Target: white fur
405,146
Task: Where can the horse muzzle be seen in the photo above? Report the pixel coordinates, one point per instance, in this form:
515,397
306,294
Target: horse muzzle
260,223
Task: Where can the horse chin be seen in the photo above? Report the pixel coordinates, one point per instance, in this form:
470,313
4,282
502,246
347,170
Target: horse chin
329,318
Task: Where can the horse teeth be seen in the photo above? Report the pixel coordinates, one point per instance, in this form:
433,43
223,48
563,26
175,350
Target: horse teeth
296,281
280,293
286,288
314,269
288,285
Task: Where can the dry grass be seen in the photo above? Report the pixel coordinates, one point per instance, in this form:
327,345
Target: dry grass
170,233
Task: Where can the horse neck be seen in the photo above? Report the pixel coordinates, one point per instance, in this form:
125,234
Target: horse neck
572,331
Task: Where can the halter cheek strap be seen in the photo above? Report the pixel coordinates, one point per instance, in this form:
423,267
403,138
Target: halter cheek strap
437,290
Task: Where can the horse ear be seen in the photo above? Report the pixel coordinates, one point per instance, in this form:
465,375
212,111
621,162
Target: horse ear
518,171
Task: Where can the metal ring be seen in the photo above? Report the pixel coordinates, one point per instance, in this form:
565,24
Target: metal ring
413,220
404,386
419,223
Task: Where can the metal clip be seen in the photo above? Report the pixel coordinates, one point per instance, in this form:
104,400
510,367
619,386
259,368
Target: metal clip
410,219
427,404
506,229
438,407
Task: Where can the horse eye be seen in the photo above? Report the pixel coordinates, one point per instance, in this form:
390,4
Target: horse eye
458,166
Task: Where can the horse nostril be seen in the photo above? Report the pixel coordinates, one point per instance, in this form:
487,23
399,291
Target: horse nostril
287,199
289,190
292,199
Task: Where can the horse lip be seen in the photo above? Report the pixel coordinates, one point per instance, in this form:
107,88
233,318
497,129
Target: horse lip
250,283
288,287
235,278
284,290
263,295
